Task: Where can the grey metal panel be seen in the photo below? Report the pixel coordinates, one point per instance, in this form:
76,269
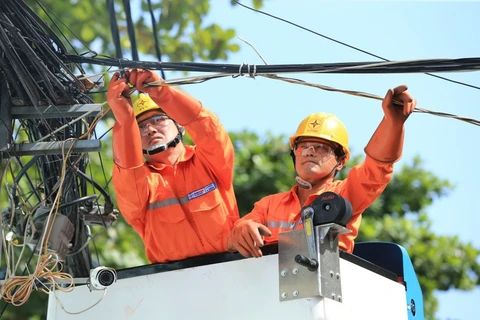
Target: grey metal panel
295,281
53,147
5,120
54,112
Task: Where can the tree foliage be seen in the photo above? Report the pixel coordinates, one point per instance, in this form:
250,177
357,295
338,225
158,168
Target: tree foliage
263,164
261,167
400,216
182,32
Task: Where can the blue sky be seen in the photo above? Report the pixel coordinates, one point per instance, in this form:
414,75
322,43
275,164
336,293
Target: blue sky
394,30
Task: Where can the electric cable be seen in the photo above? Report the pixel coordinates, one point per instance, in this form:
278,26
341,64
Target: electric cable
47,275
375,67
114,29
130,29
155,36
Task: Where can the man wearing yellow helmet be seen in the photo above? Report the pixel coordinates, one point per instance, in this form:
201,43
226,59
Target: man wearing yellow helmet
320,149
181,200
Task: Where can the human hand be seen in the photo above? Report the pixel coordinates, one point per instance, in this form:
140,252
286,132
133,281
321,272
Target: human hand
140,79
246,238
390,104
118,97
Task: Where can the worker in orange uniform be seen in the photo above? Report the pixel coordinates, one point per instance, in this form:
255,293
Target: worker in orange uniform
181,199
319,151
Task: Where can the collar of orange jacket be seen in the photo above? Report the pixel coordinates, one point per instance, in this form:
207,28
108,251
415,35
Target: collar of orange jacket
187,153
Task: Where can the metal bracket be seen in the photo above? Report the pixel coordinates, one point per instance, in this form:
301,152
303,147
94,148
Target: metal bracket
295,280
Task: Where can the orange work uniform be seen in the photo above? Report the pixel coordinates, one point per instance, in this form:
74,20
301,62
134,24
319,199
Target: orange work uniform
187,209
365,182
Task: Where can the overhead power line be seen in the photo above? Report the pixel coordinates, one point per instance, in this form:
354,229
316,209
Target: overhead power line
412,66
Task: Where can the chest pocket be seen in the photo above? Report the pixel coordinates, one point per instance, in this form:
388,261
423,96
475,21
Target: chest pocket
210,215
204,204
204,199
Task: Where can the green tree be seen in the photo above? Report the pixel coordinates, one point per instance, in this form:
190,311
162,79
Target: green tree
182,32
261,167
400,216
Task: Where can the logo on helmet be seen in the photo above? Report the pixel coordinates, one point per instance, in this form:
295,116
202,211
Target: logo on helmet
143,104
314,124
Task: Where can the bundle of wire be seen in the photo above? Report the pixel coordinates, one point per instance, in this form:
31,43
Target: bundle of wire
33,74
46,277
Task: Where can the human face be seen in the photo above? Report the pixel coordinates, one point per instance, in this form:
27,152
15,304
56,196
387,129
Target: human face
156,127
314,158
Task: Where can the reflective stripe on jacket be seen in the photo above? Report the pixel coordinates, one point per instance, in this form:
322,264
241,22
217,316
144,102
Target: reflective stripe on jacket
365,182
188,209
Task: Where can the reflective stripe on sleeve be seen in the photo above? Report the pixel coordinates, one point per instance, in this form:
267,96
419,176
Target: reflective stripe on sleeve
282,224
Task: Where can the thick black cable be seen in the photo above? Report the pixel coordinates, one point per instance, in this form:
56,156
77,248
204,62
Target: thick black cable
54,36
5,114
101,161
42,72
414,66
347,45
16,64
77,200
20,174
108,200
155,36
114,29
30,50
10,73
92,238
43,40
46,27
131,29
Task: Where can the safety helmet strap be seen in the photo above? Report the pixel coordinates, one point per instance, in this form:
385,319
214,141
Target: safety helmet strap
160,147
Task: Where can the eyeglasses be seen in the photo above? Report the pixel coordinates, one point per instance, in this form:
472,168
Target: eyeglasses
157,121
319,149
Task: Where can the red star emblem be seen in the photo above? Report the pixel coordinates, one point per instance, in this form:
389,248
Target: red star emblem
314,123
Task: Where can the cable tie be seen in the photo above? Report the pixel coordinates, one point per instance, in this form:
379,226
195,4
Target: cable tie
254,73
239,71
123,69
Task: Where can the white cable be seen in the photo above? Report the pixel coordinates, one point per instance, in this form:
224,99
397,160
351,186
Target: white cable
78,312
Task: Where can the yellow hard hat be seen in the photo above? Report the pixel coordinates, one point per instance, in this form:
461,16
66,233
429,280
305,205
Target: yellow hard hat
325,126
143,104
